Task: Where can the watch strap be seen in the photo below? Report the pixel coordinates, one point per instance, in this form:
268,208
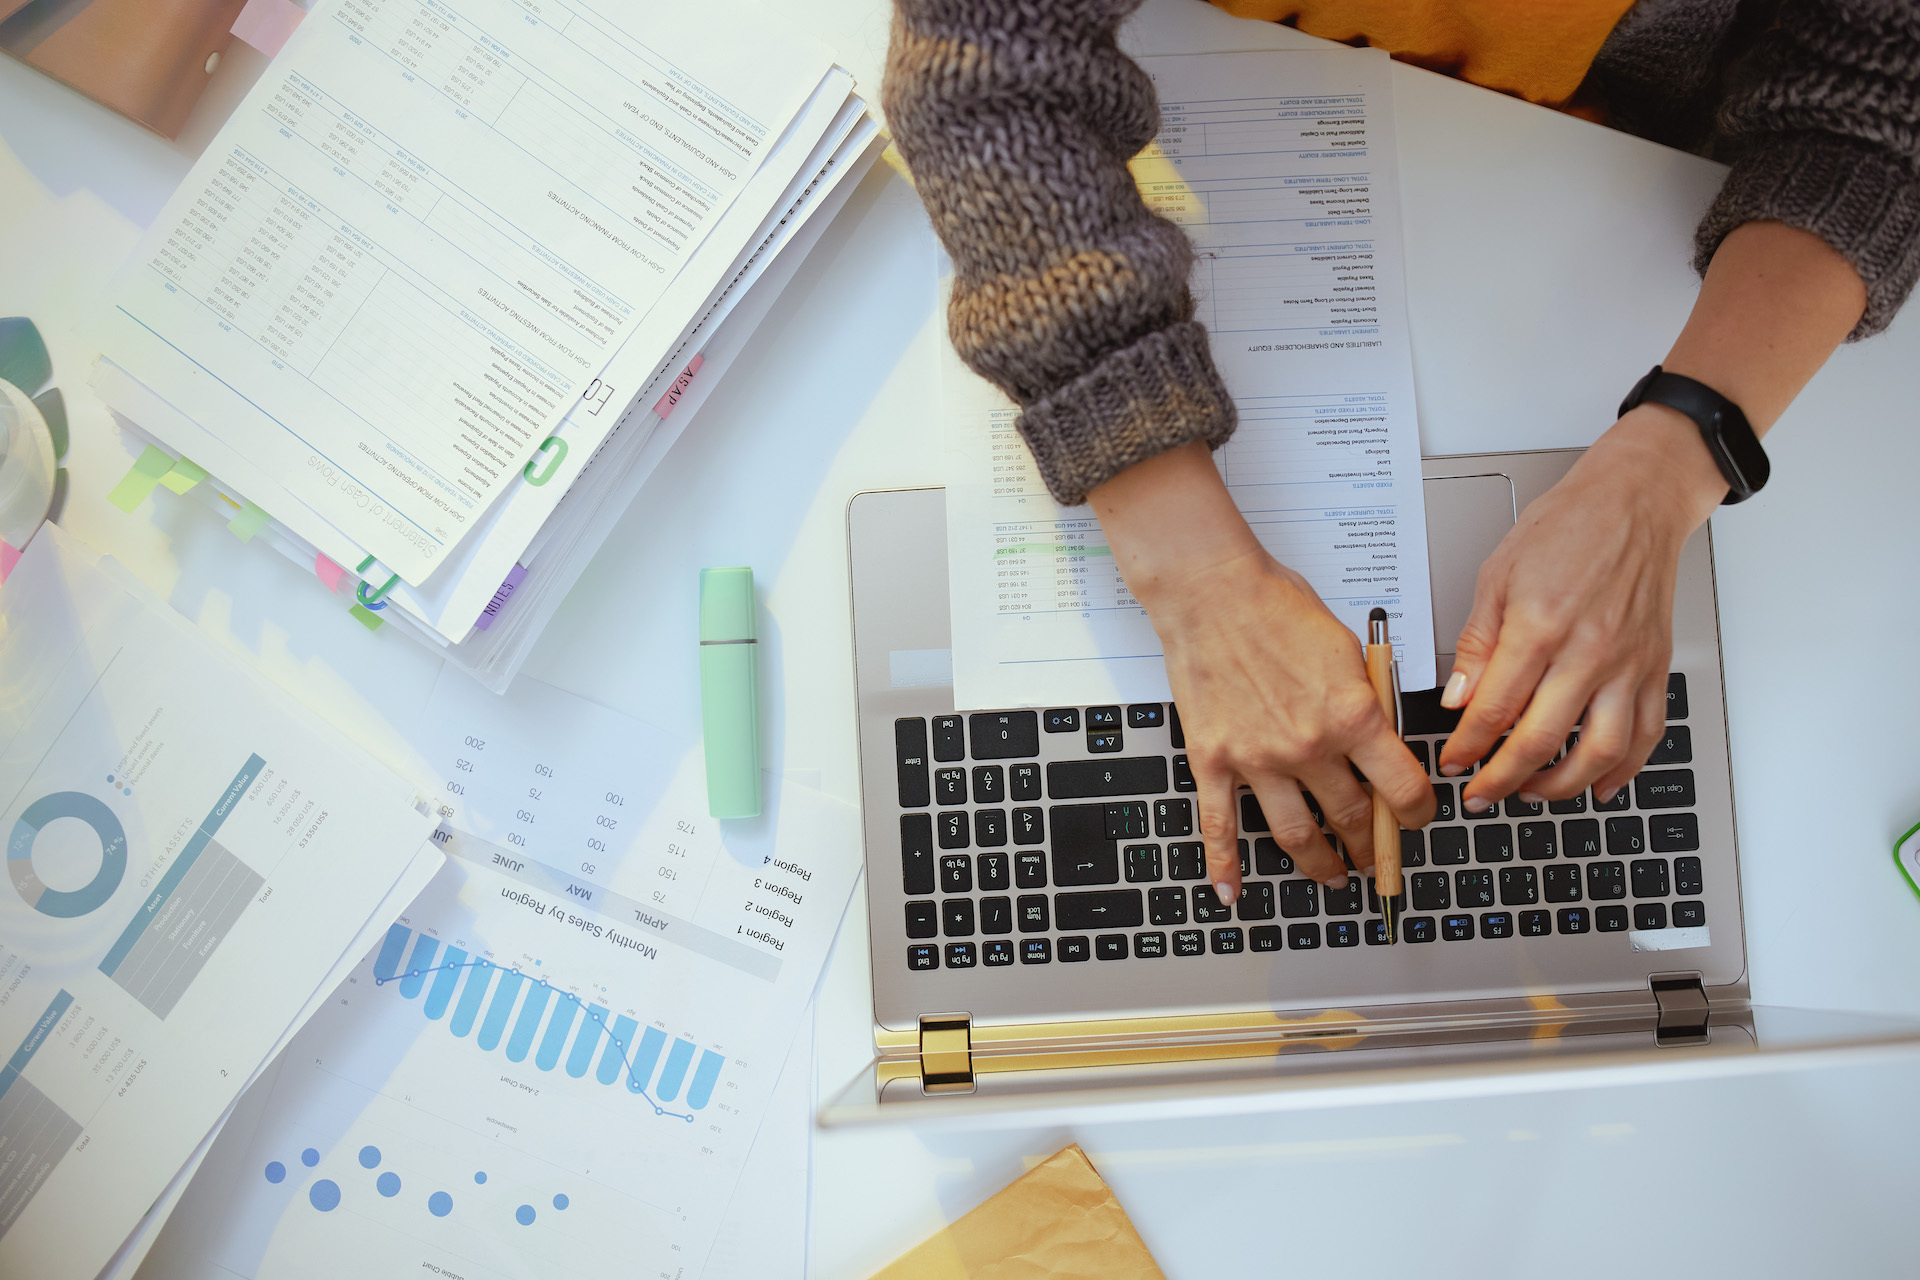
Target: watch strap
1723,426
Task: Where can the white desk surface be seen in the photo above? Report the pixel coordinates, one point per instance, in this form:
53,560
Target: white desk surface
1547,266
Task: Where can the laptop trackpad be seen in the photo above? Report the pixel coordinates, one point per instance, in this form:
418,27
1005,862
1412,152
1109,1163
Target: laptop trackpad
1466,518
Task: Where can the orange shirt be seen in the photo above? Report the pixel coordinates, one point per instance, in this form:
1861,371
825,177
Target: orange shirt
1537,49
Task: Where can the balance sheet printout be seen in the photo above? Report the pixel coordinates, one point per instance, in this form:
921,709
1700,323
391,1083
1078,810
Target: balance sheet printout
1281,168
428,227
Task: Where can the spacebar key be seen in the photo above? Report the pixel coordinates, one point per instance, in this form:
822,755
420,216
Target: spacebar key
1135,776
1109,909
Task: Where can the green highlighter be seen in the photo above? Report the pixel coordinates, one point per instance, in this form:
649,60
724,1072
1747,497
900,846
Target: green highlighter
730,692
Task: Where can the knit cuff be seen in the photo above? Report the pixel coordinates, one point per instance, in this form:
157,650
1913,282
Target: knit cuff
1138,402
1858,198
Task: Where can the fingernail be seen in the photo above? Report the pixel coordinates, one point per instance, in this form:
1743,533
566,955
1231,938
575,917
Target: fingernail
1608,794
1455,693
1451,770
1337,883
1476,805
1224,892
1529,797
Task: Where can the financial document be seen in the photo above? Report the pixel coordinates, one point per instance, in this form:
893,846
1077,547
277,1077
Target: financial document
1281,168
187,852
427,229
557,1060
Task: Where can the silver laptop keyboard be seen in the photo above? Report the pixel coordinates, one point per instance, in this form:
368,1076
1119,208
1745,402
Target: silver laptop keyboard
1008,859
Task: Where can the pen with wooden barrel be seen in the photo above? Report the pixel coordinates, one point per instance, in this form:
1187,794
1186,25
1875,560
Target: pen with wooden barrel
1383,676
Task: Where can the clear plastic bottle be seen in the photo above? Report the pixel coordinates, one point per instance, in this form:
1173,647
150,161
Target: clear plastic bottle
26,466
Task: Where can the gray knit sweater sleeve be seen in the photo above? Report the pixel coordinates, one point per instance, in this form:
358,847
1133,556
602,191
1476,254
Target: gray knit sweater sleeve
1017,119
1821,122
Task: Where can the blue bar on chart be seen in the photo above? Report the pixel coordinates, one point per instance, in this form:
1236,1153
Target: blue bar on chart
540,1024
35,1133
188,913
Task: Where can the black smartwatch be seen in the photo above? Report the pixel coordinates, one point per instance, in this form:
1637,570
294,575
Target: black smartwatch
1723,426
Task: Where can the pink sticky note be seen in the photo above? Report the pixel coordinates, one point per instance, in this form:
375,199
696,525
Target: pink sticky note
266,24
9,557
329,572
664,405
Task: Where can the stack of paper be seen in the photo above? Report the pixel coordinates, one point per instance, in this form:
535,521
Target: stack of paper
195,864
434,303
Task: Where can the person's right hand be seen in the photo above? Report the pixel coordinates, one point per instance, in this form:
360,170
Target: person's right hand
1272,688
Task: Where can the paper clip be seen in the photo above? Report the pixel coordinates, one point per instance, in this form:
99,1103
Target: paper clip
378,600
553,461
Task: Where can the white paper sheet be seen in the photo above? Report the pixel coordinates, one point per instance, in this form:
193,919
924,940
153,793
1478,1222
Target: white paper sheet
1281,167
188,853
590,1007
420,238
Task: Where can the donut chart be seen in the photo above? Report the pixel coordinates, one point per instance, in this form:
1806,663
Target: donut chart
67,903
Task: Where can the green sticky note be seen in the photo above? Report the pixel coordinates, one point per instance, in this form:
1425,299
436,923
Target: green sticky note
249,522
368,618
184,475
138,483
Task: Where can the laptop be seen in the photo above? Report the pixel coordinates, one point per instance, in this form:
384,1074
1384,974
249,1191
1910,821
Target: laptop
1042,930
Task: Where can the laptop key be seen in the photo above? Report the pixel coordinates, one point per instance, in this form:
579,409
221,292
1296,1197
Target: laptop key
1665,789
1493,843
1497,924
1375,933
1606,880
1448,845
1106,909
1124,821
956,917
1676,747
923,920
1104,741
1473,887
1343,933
1673,832
1002,735
1187,861
1419,750
1582,837
1686,875
1649,877
989,828
994,871
1350,901
1173,817
1103,717
1083,852
1303,937
1265,937
1036,951
1575,920
1183,775
910,758
950,786
916,853
1269,859
1033,913
1456,928
1578,804
1621,799
949,738
1149,946
1649,915
1145,715
1626,837
1252,816
996,915
924,956
1689,915
1518,808
1110,946
1439,749
956,873
1074,950
1519,886
1418,929
1175,734
1373,899
1061,720
1024,782
954,832
1207,907
1167,906
1189,942
1676,696
1030,870
1256,899
960,955
1536,924
997,953
1228,942
1143,863
1610,919
989,784
1299,898
1562,882
1431,891
1029,826
1086,779
1537,841
1413,848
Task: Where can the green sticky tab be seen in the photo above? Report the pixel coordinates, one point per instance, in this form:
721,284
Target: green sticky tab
249,522
138,483
184,475
368,618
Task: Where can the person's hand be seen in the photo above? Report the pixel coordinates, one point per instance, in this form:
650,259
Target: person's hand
1272,688
1573,619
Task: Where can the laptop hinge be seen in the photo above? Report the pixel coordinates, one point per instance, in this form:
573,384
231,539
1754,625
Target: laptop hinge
1683,1009
946,1053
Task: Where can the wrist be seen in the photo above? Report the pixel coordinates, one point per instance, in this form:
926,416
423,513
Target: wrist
1169,521
1663,449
